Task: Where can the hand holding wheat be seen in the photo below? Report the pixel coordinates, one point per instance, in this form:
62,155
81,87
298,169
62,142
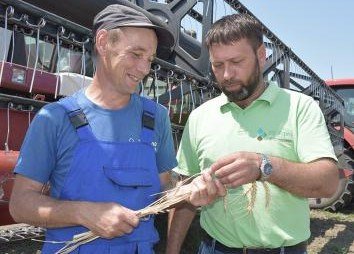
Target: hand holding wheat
199,190
161,205
205,188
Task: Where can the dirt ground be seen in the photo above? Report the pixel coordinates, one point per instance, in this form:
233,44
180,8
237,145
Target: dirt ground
332,233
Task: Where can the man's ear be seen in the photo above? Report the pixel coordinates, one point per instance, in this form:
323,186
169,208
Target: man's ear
261,54
101,42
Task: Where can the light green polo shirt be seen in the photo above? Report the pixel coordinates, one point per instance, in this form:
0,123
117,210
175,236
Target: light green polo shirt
280,123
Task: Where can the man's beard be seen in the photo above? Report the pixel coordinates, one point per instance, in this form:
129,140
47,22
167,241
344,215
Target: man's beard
247,88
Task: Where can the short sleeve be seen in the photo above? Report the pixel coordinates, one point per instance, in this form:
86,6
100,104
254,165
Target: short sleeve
165,155
39,148
188,163
313,138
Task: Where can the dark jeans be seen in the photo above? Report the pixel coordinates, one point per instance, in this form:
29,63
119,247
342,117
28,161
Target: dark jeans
208,247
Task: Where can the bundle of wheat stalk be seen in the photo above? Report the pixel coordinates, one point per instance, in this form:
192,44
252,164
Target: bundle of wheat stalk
163,204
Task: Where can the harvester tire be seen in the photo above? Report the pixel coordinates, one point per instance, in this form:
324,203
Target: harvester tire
344,194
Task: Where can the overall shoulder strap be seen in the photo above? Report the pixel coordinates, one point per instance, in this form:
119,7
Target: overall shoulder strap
77,117
148,120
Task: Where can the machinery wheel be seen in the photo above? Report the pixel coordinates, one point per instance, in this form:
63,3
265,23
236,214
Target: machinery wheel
344,193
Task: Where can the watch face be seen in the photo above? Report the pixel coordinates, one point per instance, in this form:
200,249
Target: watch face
267,169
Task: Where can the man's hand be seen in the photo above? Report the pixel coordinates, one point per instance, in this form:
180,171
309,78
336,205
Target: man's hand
28,205
204,189
108,220
237,169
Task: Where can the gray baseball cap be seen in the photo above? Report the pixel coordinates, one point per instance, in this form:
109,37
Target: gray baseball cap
117,15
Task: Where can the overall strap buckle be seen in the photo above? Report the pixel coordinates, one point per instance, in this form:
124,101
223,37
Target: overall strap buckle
148,120
78,118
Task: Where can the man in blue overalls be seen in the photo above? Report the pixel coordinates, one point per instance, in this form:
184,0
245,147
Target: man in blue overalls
105,150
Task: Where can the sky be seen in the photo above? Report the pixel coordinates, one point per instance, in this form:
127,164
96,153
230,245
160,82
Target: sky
320,32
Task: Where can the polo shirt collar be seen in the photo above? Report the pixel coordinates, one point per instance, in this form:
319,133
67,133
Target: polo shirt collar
269,95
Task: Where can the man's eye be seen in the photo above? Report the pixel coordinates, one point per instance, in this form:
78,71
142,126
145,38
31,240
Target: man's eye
236,62
136,55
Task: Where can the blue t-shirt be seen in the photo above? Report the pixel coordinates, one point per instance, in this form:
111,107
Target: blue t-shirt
47,151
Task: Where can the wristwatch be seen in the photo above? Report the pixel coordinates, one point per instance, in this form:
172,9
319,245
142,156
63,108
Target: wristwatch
266,167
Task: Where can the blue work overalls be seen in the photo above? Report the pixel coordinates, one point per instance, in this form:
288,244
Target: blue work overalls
121,172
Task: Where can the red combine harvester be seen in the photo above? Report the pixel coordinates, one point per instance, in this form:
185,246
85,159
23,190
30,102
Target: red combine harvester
345,192
345,89
8,161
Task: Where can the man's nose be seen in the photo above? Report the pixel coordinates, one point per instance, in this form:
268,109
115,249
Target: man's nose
228,72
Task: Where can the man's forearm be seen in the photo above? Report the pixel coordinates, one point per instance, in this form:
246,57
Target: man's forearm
40,210
29,205
180,218
314,179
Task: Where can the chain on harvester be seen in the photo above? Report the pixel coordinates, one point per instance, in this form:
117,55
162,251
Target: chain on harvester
50,50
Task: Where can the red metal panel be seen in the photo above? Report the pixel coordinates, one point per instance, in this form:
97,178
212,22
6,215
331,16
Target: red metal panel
340,82
7,163
349,137
44,82
9,79
19,78
19,122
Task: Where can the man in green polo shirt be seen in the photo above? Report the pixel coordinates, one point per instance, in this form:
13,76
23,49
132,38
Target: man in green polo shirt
269,147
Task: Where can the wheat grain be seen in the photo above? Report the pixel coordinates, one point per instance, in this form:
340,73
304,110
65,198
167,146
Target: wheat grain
252,192
267,193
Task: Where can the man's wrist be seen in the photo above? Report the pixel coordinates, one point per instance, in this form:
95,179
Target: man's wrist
265,168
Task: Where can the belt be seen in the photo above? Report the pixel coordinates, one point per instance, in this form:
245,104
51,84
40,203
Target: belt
297,248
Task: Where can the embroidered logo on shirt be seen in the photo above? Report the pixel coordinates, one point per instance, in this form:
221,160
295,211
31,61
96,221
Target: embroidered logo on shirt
261,134
284,135
154,145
